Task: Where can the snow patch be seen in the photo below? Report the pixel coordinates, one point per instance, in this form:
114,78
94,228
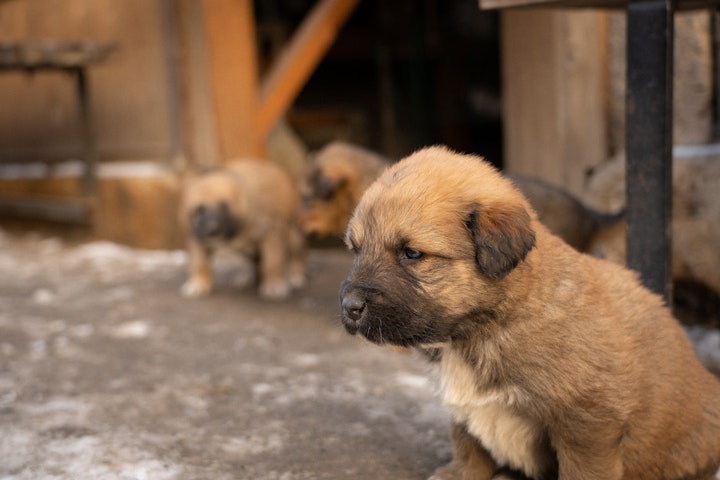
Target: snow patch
134,329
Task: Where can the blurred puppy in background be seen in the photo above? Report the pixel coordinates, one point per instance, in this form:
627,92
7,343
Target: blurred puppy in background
695,216
566,216
335,180
249,207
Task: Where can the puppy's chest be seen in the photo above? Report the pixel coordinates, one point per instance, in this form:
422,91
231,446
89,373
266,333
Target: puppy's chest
494,416
247,239
244,244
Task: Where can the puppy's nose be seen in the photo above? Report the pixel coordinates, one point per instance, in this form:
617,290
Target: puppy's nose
353,306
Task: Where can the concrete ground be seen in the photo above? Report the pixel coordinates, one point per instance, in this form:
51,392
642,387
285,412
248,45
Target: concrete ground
106,372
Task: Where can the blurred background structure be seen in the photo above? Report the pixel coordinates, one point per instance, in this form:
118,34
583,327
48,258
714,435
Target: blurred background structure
188,84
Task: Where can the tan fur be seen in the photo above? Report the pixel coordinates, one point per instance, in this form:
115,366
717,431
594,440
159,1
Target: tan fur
552,362
262,201
335,180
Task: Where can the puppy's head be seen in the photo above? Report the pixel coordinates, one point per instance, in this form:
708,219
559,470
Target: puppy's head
436,239
335,179
326,201
209,222
212,208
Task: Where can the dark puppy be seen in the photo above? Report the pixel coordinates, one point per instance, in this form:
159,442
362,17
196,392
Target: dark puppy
247,207
552,363
564,215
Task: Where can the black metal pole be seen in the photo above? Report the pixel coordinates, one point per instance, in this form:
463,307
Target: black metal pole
89,181
649,142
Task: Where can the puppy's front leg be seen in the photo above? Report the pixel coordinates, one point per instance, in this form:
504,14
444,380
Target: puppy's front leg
470,459
200,276
579,459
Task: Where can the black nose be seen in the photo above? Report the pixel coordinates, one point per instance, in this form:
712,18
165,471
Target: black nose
353,306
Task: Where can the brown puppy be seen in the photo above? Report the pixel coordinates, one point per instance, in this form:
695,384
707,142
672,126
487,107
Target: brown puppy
248,207
335,180
552,363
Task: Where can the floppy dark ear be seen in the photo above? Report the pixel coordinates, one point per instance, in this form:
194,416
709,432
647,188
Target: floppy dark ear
325,187
502,237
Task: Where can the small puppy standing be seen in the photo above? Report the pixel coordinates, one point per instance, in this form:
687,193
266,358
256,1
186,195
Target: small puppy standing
249,207
552,363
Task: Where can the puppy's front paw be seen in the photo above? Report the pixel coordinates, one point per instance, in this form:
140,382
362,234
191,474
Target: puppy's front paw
463,471
297,280
275,290
451,471
195,287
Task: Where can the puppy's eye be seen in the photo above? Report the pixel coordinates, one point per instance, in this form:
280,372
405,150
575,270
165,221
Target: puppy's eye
411,254
352,246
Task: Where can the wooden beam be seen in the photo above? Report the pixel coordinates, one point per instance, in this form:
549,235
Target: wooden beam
230,29
201,140
299,59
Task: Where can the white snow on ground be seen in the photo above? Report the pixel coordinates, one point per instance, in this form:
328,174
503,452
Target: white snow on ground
54,448
707,346
107,255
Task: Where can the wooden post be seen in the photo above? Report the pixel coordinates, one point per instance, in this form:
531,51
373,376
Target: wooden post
299,59
554,102
230,27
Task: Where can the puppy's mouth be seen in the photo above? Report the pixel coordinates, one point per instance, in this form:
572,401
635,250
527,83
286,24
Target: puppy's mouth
214,222
384,322
355,319
376,334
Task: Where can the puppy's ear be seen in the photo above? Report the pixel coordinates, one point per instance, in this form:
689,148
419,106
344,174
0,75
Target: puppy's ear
325,187
502,237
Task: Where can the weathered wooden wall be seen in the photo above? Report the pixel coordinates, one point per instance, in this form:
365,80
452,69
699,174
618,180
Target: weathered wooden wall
564,89
130,94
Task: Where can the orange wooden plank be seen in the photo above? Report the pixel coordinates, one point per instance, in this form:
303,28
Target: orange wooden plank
230,29
298,60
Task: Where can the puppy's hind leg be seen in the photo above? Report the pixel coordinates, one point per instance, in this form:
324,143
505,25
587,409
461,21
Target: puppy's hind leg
470,459
297,253
272,267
